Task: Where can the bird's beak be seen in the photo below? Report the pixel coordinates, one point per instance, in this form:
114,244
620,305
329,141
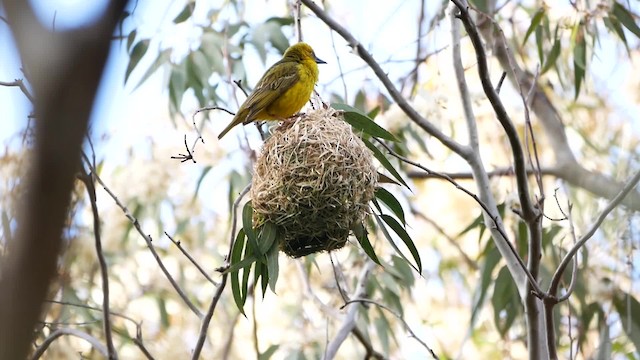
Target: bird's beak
317,60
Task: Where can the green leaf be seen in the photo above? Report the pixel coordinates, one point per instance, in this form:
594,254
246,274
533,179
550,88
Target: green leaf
185,13
404,236
269,352
552,57
391,202
579,59
403,272
204,173
267,237
625,18
505,301
265,277
361,122
387,236
272,266
385,162
361,234
492,257
535,22
163,57
236,254
135,55
249,250
629,309
131,38
247,224
177,85
613,24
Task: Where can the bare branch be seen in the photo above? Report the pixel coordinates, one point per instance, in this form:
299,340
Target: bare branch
536,288
349,322
216,297
399,317
89,182
73,332
528,210
19,83
65,69
382,76
149,242
191,259
555,280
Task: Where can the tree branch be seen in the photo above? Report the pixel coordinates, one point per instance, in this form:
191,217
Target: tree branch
349,322
88,180
382,76
404,322
216,297
73,332
149,241
65,68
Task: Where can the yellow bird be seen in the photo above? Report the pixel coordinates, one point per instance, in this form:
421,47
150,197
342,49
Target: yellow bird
283,89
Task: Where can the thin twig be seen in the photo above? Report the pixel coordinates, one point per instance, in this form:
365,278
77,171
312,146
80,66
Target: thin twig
550,301
399,317
216,297
555,280
388,84
20,84
89,182
536,288
149,242
507,171
297,19
528,211
349,322
472,264
73,332
191,259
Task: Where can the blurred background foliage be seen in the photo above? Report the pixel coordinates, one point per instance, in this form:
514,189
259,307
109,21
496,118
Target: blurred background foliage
464,304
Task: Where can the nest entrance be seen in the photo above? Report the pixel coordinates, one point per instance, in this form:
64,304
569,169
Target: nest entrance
313,180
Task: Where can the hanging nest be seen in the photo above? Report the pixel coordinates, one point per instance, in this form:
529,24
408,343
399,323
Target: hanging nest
313,180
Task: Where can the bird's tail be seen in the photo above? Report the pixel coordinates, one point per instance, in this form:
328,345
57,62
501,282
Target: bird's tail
236,120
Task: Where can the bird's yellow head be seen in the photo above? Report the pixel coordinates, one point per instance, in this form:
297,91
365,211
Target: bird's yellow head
300,52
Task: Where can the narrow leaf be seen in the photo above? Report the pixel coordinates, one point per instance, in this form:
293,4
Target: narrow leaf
535,22
387,236
236,253
629,309
267,236
273,266
269,352
391,202
404,236
136,54
553,55
204,173
579,60
361,234
163,57
185,13
131,38
385,162
247,224
362,122
625,17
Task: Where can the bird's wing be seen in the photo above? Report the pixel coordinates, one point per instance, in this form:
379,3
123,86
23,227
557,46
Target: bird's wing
271,87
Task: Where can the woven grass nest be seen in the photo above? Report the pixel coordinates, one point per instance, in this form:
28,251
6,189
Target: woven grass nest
313,179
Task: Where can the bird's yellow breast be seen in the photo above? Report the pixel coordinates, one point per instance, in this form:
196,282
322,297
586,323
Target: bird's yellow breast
292,100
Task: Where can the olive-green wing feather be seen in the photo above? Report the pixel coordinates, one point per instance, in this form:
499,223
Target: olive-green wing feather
275,82
270,88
